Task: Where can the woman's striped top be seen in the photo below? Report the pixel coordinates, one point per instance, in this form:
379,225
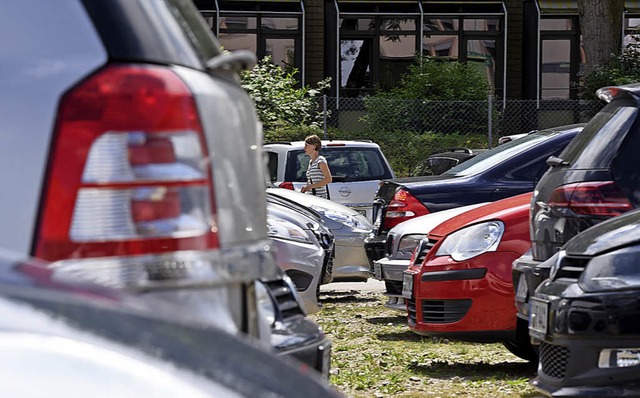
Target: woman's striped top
314,174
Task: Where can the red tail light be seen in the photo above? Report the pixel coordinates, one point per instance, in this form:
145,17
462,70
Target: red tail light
287,185
598,198
403,207
128,171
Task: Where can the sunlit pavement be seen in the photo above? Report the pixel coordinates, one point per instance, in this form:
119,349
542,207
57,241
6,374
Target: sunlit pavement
371,285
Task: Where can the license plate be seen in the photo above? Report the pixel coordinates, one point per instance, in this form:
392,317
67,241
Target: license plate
377,271
407,285
538,316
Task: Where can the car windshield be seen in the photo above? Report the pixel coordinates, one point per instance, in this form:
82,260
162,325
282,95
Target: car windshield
350,164
487,160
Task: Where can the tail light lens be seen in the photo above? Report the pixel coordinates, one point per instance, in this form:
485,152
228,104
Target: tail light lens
403,207
128,172
597,198
286,185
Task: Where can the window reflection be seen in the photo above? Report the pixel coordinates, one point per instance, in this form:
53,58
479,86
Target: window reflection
482,25
482,55
238,41
556,24
440,25
355,24
279,23
238,22
440,46
355,60
556,68
282,52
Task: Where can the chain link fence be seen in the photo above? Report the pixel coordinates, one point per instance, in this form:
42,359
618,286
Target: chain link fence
410,130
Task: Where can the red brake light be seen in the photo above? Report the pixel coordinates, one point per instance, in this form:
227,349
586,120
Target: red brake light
287,185
335,144
402,207
128,170
597,198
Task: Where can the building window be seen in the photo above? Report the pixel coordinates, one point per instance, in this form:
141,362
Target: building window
378,41
391,42
267,28
467,38
561,57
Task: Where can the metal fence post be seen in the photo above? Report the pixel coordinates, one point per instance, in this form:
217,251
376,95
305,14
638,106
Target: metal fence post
324,115
490,107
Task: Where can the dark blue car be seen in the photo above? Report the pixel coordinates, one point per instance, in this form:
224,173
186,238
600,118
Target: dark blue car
501,172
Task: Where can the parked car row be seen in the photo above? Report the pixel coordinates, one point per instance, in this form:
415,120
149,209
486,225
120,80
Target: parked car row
550,273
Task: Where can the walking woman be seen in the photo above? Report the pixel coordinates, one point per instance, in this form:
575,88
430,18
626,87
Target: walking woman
318,174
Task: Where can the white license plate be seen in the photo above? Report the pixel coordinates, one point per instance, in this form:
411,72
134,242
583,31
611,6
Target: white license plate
377,271
538,316
407,285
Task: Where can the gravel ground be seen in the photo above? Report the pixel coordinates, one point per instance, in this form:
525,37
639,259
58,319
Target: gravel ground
375,355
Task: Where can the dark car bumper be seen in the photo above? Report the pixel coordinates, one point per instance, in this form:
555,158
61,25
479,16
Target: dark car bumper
583,330
374,246
527,274
302,340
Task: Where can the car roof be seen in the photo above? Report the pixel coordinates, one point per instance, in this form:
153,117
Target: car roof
325,144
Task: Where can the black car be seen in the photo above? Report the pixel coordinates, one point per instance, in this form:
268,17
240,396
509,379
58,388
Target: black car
441,161
80,339
504,171
586,315
595,178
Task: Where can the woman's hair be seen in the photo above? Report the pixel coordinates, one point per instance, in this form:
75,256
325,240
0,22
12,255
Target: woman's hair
314,140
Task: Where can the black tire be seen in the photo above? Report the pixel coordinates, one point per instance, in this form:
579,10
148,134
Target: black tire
522,347
524,350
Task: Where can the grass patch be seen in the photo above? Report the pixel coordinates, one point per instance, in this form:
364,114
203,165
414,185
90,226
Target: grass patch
376,355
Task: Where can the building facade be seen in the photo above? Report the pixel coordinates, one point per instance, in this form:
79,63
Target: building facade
526,49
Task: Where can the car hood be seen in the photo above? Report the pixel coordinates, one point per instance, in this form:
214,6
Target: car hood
500,209
316,202
286,213
425,224
611,234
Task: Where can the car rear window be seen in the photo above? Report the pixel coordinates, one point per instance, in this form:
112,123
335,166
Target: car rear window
489,159
600,140
347,164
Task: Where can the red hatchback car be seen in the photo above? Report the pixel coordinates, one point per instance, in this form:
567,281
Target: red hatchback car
459,283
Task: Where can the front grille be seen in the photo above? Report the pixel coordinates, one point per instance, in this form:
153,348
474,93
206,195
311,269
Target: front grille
571,267
284,299
412,313
423,248
553,360
444,311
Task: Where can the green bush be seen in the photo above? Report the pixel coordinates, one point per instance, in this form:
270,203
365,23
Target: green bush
434,95
278,99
